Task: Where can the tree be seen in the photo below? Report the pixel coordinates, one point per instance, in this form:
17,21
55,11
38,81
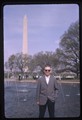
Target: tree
42,58
69,45
18,62
11,62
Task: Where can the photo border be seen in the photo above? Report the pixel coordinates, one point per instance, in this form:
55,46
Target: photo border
15,2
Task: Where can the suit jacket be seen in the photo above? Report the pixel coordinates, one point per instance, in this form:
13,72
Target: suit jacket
46,91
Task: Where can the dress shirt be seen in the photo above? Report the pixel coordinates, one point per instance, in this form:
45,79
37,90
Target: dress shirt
47,79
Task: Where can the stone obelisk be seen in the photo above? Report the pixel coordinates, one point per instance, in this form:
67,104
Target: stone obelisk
25,36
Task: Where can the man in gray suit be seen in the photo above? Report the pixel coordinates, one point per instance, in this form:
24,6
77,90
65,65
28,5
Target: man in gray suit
46,92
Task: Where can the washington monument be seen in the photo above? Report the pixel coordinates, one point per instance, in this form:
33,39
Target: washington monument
25,36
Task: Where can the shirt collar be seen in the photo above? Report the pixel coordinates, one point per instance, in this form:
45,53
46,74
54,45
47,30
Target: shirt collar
47,76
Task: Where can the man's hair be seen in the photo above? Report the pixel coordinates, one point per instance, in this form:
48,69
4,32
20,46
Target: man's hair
47,65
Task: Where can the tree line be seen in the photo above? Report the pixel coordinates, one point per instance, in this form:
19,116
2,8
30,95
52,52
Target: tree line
66,57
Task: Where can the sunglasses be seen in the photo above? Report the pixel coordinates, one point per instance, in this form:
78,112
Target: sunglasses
47,70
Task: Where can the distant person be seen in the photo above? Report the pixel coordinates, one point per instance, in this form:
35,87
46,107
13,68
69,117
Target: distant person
46,92
26,76
20,77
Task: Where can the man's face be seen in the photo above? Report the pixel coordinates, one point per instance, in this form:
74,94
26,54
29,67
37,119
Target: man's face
47,71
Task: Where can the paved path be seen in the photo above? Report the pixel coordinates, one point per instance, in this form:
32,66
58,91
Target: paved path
34,81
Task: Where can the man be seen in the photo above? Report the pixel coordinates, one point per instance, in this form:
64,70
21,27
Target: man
46,92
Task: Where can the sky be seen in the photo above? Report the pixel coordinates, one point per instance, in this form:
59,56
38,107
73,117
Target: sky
46,24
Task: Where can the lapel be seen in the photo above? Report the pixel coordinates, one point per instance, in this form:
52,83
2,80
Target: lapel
44,80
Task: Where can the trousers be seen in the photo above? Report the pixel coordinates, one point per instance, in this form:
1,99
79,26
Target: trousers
42,109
